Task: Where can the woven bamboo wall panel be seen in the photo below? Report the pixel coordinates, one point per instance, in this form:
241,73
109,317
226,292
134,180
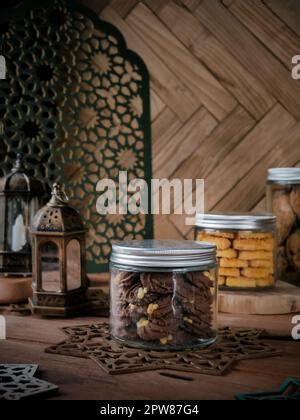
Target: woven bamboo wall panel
224,104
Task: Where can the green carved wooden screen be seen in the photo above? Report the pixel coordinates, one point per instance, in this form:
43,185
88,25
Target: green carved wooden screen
76,104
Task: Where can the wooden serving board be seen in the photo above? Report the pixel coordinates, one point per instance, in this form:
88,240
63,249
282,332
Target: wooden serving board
285,299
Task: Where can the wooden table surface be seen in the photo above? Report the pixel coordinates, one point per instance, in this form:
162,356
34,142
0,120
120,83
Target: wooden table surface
27,338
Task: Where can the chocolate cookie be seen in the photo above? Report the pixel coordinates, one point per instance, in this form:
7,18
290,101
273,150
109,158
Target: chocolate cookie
182,337
117,295
139,301
125,279
147,305
190,294
164,307
162,330
144,297
199,327
199,280
130,293
196,308
158,282
285,216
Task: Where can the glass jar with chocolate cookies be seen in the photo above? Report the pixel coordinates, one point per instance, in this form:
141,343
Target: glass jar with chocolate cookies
163,294
245,248
283,199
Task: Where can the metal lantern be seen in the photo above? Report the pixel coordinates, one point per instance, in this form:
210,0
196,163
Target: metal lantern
20,198
59,273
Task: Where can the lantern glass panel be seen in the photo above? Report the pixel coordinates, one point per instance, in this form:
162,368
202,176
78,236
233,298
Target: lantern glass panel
2,226
73,265
50,267
34,206
17,235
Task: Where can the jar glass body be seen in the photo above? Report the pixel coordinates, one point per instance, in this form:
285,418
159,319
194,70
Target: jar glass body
164,309
283,199
246,257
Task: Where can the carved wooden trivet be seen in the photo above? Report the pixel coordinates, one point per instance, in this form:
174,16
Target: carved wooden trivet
94,342
18,382
244,344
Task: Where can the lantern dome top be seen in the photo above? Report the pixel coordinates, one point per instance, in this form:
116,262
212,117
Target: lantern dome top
58,215
17,181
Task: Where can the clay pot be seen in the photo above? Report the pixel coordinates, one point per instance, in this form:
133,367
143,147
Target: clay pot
15,290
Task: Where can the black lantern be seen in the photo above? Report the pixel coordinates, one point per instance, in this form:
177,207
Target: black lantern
59,273
20,198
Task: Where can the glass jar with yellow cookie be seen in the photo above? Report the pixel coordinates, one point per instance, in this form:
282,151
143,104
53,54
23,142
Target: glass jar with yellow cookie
245,248
163,294
283,199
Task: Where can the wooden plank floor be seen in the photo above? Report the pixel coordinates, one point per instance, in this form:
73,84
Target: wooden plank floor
224,104
82,379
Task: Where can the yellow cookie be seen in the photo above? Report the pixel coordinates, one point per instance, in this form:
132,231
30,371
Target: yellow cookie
233,263
227,253
254,244
221,281
262,264
221,243
230,272
240,282
256,273
268,281
227,235
256,255
255,235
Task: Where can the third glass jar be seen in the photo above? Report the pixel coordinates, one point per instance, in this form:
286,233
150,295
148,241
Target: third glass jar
283,199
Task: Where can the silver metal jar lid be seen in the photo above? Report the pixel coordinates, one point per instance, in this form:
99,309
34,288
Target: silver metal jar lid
163,254
236,221
291,175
